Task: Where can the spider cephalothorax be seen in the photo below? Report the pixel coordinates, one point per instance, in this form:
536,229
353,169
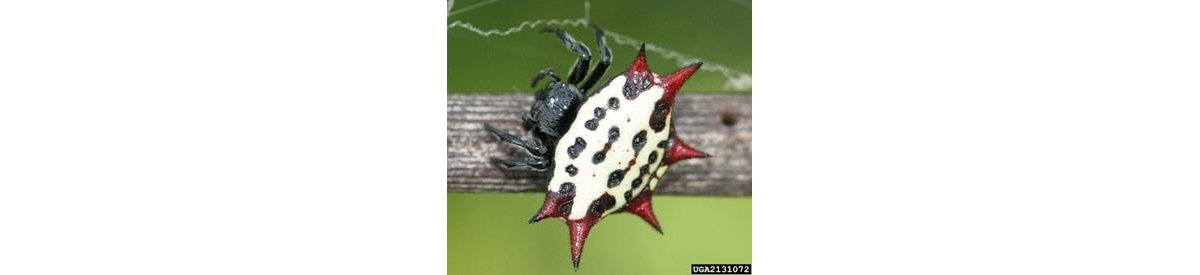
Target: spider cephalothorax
605,152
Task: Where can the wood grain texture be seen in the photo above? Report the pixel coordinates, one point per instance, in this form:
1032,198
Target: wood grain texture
719,124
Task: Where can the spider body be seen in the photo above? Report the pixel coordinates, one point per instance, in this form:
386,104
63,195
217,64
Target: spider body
605,152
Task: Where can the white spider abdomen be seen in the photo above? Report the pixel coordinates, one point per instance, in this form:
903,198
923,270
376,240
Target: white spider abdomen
617,142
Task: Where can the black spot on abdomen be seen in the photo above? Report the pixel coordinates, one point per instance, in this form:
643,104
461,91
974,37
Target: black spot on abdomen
571,170
614,103
630,91
658,120
639,141
635,83
599,156
645,169
613,134
574,150
566,188
615,178
605,202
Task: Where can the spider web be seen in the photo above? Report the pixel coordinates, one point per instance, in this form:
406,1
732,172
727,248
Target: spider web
734,79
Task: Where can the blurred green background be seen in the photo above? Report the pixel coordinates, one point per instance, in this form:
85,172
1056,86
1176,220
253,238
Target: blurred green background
715,31
488,234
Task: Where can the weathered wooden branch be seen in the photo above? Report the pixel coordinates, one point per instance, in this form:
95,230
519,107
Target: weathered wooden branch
715,123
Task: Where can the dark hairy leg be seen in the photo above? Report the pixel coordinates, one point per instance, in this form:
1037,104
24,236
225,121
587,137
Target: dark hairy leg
585,55
533,146
543,74
605,60
533,162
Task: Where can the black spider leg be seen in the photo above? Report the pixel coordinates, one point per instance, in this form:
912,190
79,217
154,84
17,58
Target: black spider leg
534,162
605,60
543,74
585,55
533,146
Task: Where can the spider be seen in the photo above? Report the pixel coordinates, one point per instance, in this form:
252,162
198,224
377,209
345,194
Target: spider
620,139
